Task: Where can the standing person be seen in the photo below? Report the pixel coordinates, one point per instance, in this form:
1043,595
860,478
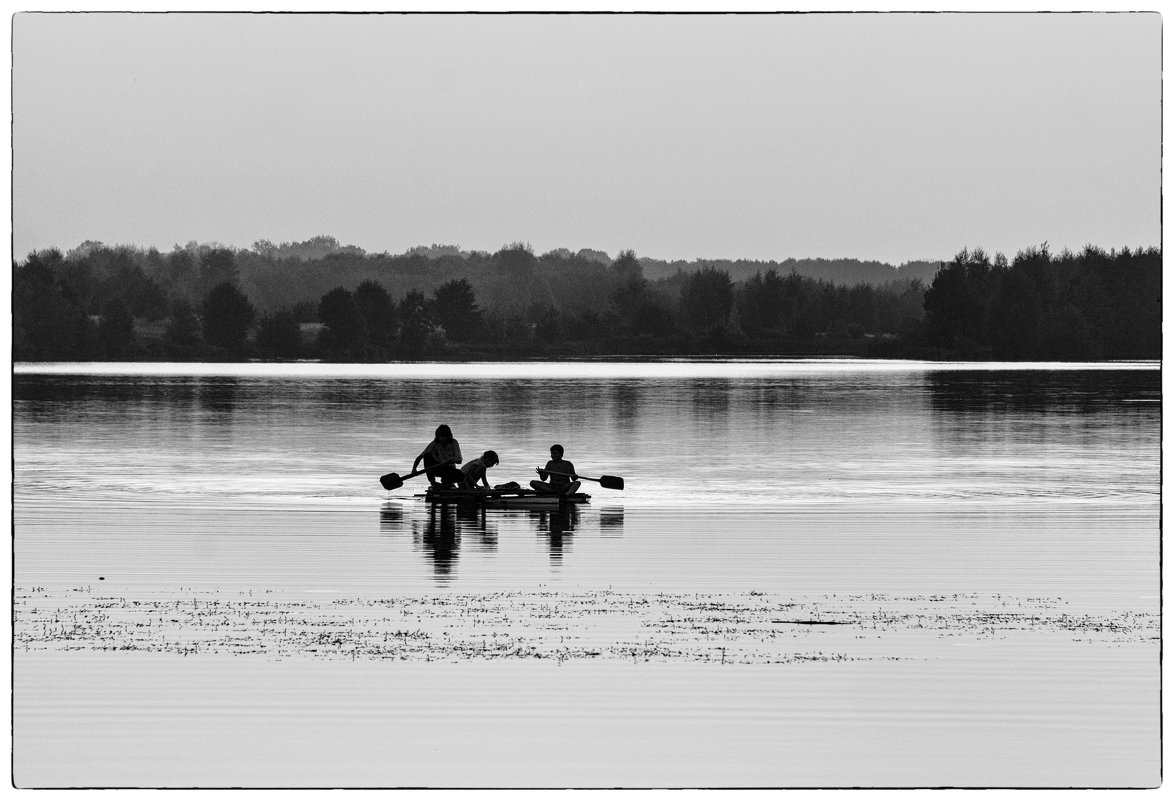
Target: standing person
559,471
443,453
474,471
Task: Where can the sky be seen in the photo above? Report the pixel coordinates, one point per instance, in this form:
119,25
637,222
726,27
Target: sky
887,136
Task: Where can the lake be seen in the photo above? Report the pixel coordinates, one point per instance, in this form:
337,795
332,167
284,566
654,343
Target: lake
820,573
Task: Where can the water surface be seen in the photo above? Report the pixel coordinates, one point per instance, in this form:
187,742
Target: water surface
798,544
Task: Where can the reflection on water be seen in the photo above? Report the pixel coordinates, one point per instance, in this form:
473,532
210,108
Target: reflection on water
1030,435
778,434
1056,391
444,528
442,531
611,520
557,526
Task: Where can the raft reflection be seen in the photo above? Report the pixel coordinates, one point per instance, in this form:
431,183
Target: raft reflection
442,531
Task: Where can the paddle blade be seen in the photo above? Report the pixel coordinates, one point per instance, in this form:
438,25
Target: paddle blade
612,482
391,481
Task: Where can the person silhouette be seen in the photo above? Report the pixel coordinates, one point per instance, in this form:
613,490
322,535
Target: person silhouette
444,454
558,475
475,470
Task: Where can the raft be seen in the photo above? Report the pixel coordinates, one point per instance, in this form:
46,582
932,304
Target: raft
519,498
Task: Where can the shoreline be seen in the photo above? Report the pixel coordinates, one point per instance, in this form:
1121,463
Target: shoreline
601,366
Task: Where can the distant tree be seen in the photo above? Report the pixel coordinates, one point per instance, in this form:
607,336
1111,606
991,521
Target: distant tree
760,303
180,271
1130,312
627,266
652,317
48,322
142,294
85,250
626,300
305,311
345,329
435,251
598,256
860,308
958,303
454,307
640,310
1067,336
415,263
279,336
217,267
415,320
706,298
116,331
313,249
813,303
516,258
378,312
549,326
76,279
227,317
181,338
1019,308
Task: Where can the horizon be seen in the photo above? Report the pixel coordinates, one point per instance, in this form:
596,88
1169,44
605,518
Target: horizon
463,251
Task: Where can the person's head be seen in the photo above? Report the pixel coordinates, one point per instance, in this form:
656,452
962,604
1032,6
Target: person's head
443,432
556,451
490,458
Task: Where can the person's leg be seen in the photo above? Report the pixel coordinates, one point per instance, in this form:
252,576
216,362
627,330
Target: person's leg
450,474
541,486
572,488
431,461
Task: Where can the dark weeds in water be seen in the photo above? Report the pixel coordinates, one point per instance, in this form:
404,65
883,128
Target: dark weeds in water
607,625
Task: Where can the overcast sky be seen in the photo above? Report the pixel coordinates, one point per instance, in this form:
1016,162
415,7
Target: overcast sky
872,136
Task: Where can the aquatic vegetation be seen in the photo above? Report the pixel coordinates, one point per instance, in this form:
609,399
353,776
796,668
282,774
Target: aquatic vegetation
750,628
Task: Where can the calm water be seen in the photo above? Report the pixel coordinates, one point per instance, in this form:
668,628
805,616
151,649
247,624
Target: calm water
819,574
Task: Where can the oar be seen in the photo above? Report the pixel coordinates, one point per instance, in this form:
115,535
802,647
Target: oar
611,482
393,481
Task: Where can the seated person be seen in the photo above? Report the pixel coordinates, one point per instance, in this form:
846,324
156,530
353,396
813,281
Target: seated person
560,472
475,470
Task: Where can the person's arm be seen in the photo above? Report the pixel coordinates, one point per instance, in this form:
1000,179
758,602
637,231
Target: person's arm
571,469
429,450
456,452
542,474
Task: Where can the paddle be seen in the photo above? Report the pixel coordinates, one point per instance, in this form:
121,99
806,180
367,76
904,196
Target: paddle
393,481
611,482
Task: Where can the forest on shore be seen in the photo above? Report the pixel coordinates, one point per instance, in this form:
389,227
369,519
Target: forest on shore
322,300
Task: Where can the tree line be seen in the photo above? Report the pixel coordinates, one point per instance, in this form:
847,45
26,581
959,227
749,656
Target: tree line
1082,306
319,300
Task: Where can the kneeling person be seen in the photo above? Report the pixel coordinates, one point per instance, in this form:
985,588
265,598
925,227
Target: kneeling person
558,475
475,469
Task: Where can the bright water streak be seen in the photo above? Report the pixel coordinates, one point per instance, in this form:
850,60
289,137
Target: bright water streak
886,494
